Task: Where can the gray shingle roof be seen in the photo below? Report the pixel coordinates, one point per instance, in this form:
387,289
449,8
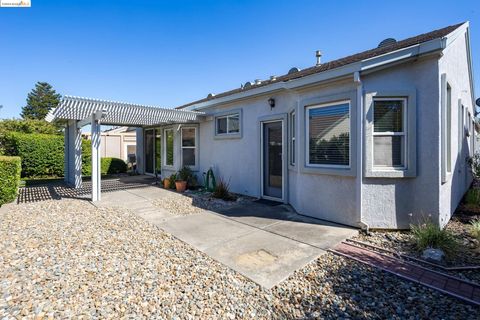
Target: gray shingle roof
440,33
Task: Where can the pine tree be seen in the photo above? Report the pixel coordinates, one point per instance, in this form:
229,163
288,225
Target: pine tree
39,101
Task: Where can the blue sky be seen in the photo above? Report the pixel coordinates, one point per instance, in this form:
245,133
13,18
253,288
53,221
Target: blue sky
167,53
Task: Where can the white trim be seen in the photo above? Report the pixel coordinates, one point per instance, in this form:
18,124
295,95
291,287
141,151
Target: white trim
403,133
195,147
165,165
262,149
307,135
292,155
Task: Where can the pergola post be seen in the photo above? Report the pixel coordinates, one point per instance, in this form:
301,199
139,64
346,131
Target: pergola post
73,155
96,168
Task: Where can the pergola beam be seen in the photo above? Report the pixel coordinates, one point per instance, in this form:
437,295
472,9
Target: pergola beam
83,111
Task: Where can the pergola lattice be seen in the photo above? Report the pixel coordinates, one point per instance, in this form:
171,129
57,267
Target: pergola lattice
78,112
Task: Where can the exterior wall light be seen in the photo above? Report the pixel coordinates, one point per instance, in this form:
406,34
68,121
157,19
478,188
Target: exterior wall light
271,102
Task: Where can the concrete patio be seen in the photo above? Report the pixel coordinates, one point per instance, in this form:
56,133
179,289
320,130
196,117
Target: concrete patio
265,243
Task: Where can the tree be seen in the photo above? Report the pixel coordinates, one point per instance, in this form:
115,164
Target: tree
39,101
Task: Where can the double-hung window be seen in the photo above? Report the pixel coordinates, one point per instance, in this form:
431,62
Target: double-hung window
328,135
189,146
389,132
228,124
169,154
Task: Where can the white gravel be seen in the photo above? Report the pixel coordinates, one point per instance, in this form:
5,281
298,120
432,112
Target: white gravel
64,259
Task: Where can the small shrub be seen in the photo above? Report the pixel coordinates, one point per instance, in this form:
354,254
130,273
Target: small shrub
475,163
475,228
429,235
113,165
472,198
222,190
10,169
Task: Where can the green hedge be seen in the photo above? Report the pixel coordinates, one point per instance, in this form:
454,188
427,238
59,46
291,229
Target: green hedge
10,168
42,154
113,165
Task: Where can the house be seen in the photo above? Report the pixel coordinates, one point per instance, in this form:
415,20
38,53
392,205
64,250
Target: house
374,139
405,154
117,142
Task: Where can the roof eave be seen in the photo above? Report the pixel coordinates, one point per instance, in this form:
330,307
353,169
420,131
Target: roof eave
370,64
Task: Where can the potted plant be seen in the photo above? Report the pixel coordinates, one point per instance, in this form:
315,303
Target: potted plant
166,183
183,176
172,180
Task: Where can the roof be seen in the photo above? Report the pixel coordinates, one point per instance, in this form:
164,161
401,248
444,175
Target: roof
440,33
118,113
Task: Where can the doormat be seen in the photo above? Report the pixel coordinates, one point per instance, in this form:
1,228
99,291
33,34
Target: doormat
268,202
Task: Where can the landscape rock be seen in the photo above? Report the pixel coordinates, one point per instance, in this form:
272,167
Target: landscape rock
70,259
433,255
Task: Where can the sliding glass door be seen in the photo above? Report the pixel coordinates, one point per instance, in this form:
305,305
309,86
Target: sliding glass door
153,151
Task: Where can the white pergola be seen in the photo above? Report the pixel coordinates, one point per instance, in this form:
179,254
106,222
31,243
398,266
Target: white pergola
78,112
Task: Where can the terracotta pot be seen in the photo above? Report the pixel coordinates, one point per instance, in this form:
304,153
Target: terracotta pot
181,185
166,183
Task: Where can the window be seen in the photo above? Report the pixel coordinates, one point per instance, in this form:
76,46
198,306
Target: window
448,131
292,138
168,147
189,147
229,124
389,134
328,129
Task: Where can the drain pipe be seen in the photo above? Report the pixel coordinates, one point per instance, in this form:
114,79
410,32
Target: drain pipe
358,190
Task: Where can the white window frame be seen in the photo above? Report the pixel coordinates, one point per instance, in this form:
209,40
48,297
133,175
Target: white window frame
391,134
228,116
410,169
307,136
293,138
195,147
165,148
448,128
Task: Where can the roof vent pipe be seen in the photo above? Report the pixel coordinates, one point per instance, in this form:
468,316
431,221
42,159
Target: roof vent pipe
318,54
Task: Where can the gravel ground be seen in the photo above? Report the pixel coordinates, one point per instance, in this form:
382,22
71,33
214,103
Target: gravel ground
192,202
468,252
64,259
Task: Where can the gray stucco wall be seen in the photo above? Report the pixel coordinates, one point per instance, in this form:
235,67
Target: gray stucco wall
388,202
454,65
324,196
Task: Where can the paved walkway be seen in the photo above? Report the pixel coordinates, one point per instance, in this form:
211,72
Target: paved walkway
442,282
264,243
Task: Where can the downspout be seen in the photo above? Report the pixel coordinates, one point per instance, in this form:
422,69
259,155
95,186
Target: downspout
359,182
